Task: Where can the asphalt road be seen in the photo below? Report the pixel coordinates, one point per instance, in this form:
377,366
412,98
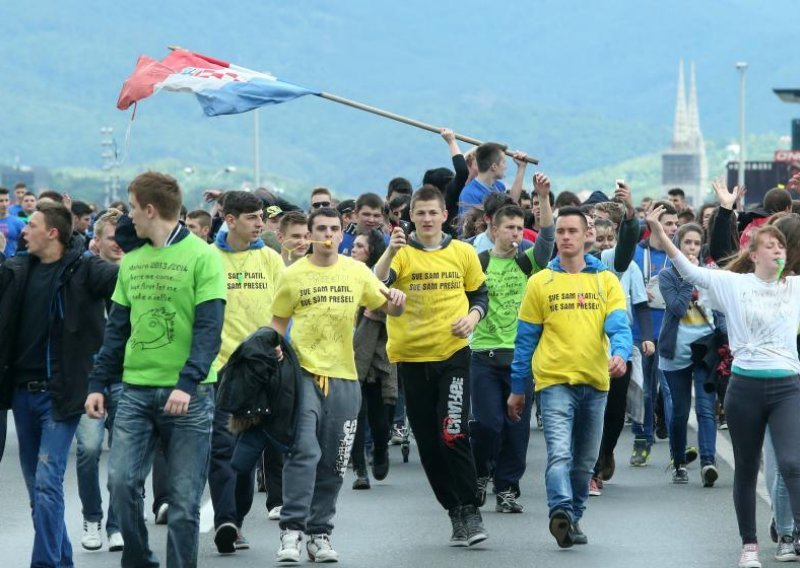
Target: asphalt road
641,520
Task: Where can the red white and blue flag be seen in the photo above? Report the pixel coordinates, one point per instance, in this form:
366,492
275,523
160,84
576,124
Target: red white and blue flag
220,87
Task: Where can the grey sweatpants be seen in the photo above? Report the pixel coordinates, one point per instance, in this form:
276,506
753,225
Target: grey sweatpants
313,470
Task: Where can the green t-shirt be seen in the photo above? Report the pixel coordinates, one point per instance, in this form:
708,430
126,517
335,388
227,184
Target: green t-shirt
162,286
506,283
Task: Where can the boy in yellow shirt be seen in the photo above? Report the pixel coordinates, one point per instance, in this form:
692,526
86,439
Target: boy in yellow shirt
447,297
322,294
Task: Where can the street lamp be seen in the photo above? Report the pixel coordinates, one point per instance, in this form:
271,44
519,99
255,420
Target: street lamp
741,66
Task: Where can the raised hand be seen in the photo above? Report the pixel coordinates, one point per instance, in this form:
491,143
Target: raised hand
541,185
725,197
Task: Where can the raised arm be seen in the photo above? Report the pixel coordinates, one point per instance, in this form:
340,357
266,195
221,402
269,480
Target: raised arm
519,179
698,276
383,267
543,249
721,243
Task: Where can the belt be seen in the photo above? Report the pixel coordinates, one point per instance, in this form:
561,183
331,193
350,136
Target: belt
35,386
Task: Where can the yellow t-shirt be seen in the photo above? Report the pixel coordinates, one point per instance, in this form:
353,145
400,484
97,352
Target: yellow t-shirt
251,277
323,302
435,283
572,308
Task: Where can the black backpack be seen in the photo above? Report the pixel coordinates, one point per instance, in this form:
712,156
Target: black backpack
522,260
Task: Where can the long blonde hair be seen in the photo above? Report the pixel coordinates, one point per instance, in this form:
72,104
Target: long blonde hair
741,263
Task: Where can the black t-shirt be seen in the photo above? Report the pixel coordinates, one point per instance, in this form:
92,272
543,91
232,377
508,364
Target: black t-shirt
30,363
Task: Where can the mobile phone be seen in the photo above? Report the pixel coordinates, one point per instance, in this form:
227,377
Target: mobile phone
619,184
406,226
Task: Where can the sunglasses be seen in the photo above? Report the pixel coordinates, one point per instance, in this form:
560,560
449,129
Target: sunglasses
319,204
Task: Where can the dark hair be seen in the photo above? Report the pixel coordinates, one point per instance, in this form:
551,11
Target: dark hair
550,197
20,184
494,201
399,185
399,201
472,223
4,191
677,191
239,202
377,245
508,211
687,215
121,205
201,215
427,193
566,199
346,206
669,208
79,209
439,177
573,212
54,195
487,154
371,200
320,190
687,228
523,195
57,217
159,190
777,199
27,193
292,218
323,212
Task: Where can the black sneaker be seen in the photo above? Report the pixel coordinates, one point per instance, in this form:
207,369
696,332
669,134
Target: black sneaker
459,536
474,524
507,502
561,528
480,494
578,536
225,538
641,453
362,477
380,464
679,475
607,467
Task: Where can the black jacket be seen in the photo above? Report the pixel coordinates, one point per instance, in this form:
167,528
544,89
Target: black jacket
75,326
259,390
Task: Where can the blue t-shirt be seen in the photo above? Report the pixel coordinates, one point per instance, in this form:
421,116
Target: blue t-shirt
474,193
650,267
11,227
349,239
15,210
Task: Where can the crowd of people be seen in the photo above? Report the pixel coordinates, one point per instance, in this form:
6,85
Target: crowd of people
260,344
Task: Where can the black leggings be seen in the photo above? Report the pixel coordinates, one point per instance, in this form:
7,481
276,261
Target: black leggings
614,417
750,405
378,414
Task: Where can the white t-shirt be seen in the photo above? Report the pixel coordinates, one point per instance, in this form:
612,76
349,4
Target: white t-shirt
762,317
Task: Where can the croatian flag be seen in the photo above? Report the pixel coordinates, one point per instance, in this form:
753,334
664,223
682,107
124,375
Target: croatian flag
220,87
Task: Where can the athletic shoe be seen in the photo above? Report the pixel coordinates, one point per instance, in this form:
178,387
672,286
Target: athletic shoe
480,494
290,546
561,528
241,542
115,542
507,502
679,475
578,536
785,552
362,479
709,475
398,434
274,513
641,453
380,464
661,429
749,557
691,454
320,550
474,524
459,536
225,538
91,539
595,487
162,513
607,467
723,423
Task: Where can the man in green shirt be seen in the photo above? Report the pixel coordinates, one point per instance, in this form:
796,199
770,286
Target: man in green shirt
162,335
499,445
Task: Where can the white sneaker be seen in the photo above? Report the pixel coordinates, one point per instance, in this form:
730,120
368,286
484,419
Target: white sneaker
91,539
319,549
290,546
785,552
115,542
274,513
749,557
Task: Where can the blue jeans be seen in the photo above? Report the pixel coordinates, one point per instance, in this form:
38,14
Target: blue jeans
138,425
89,437
778,492
680,386
653,378
499,445
44,446
572,417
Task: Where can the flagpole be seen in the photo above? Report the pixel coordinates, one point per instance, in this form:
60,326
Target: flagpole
256,149
409,121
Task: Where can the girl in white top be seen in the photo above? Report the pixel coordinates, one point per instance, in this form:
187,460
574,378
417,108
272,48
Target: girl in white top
762,307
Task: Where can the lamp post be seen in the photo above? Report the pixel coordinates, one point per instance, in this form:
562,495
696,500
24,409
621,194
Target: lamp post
741,66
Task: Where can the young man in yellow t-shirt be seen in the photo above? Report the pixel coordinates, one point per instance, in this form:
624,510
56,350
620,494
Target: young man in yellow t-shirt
447,297
251,270
322,294
575,297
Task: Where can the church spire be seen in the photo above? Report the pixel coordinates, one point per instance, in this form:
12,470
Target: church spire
680,135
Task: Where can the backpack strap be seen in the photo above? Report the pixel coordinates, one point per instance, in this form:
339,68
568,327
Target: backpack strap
484,258
524,262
